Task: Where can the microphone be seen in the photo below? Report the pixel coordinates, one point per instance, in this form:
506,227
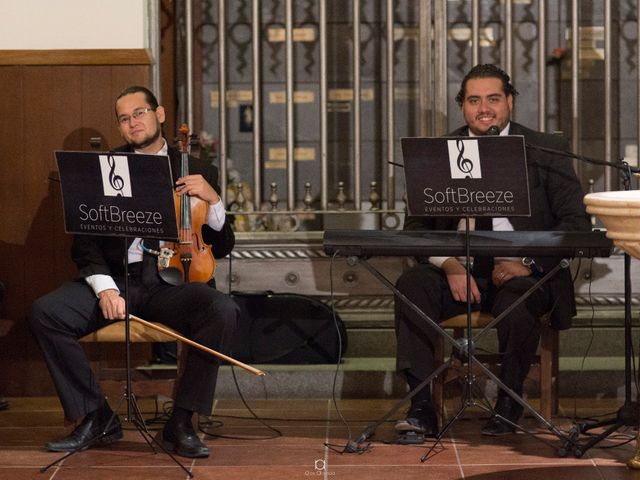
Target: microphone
620,165
493,130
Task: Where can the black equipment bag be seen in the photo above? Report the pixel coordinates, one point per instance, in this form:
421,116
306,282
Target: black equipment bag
287,329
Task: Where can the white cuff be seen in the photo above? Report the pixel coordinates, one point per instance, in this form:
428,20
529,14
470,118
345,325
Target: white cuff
216,216
100,282
438,261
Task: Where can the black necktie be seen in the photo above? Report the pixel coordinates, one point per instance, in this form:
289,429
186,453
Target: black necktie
483,265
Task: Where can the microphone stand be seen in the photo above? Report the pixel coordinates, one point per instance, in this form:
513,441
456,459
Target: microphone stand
628,414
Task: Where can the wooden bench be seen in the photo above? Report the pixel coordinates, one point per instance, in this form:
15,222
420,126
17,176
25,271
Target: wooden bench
545,366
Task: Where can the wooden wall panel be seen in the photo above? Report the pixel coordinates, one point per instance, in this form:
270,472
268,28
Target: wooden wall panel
98,118
67,107
38,225
45,108
12,235
46,123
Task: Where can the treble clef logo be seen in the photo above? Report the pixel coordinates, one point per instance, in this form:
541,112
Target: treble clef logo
464,164
115,180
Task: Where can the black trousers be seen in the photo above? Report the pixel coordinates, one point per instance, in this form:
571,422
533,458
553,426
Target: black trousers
518,333
196,310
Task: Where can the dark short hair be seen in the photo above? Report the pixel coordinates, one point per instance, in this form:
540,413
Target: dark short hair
486,70
148,94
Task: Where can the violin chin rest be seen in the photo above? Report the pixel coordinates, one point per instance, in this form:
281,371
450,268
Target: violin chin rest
171,275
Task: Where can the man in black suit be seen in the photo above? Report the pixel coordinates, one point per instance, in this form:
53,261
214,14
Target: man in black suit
196,310
438,284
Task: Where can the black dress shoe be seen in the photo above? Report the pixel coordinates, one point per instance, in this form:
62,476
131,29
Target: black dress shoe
91,428
4,403
496,428
507,408
180,438
421,419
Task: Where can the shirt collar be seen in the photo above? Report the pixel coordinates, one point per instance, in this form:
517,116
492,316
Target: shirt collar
163,151
503,132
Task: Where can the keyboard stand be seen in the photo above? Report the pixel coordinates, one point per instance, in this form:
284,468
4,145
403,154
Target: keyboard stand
464,349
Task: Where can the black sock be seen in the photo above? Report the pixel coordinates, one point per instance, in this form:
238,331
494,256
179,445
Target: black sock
103,411
181,415
422,397
106,408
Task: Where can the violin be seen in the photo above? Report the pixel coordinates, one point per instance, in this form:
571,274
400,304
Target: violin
193,257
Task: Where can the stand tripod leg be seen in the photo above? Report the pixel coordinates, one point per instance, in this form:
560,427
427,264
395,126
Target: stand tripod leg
579,450
466,401
552,428
89,442
567,441
138,421
442,432
80,447
354,446
627,417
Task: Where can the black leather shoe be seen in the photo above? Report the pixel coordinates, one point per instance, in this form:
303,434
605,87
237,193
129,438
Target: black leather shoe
421,419
181,439
505,407
496,428
4,404
92,427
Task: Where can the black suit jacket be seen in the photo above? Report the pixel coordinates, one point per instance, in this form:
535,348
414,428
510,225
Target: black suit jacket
105,255
556,204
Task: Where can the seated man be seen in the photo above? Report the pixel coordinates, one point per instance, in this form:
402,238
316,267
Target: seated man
88,303
438,285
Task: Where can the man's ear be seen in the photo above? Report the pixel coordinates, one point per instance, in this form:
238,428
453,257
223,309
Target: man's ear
160,113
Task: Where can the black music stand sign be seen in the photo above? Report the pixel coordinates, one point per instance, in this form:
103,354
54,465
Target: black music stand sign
117,194
466,176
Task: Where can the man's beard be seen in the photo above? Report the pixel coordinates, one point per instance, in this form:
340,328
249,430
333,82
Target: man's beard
148,141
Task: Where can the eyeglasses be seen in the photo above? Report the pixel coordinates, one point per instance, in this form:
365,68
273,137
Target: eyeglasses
137,113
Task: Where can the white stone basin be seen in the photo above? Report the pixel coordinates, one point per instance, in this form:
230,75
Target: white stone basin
619,211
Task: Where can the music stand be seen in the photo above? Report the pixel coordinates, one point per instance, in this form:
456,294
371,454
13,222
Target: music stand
465,177
127,195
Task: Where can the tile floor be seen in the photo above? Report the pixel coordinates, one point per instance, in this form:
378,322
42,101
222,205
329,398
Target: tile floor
243,448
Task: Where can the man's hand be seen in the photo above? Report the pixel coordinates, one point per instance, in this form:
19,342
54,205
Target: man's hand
457,279
111,304
508,269
197,186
